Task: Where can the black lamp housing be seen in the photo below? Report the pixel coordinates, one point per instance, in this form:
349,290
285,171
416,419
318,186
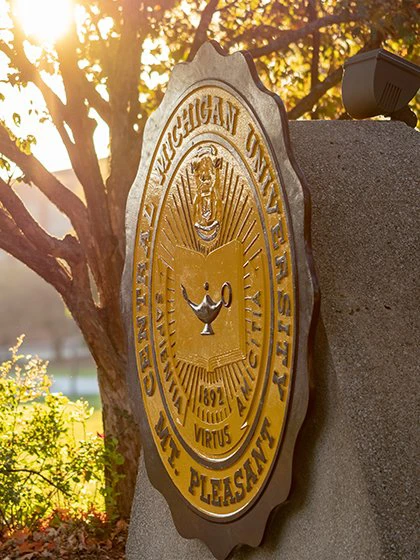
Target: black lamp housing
380,83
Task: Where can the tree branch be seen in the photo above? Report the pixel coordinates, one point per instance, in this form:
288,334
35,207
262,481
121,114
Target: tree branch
95,99
291,36
29,73
312,16
31,471
55,106
82,153
316,42
67,248
23,237
227,6
92,222
330,81
66,201
124,98
201,32
306,104
86,166
61,113
13,241
63,198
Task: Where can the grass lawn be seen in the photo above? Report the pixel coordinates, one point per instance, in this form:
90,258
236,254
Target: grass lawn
94,423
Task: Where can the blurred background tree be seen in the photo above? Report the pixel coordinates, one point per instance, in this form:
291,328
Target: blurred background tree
104,64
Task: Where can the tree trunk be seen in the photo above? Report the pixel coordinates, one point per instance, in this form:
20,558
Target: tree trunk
119,423
106,342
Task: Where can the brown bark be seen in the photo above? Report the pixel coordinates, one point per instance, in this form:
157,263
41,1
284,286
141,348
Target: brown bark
201,33
125,141
119,422
290,36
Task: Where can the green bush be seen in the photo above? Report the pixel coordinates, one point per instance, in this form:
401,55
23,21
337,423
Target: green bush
48,460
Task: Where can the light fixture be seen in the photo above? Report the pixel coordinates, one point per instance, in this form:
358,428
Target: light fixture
380,83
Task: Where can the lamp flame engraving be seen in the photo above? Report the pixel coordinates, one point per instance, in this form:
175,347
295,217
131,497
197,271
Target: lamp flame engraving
208,310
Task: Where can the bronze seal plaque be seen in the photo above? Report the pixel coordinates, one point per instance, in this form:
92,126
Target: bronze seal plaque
219,299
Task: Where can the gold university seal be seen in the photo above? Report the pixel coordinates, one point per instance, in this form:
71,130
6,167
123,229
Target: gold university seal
215,302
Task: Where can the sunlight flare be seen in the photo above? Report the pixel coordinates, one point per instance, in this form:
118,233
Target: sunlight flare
44,20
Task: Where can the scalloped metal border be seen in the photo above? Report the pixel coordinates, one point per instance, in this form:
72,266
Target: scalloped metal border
211,62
